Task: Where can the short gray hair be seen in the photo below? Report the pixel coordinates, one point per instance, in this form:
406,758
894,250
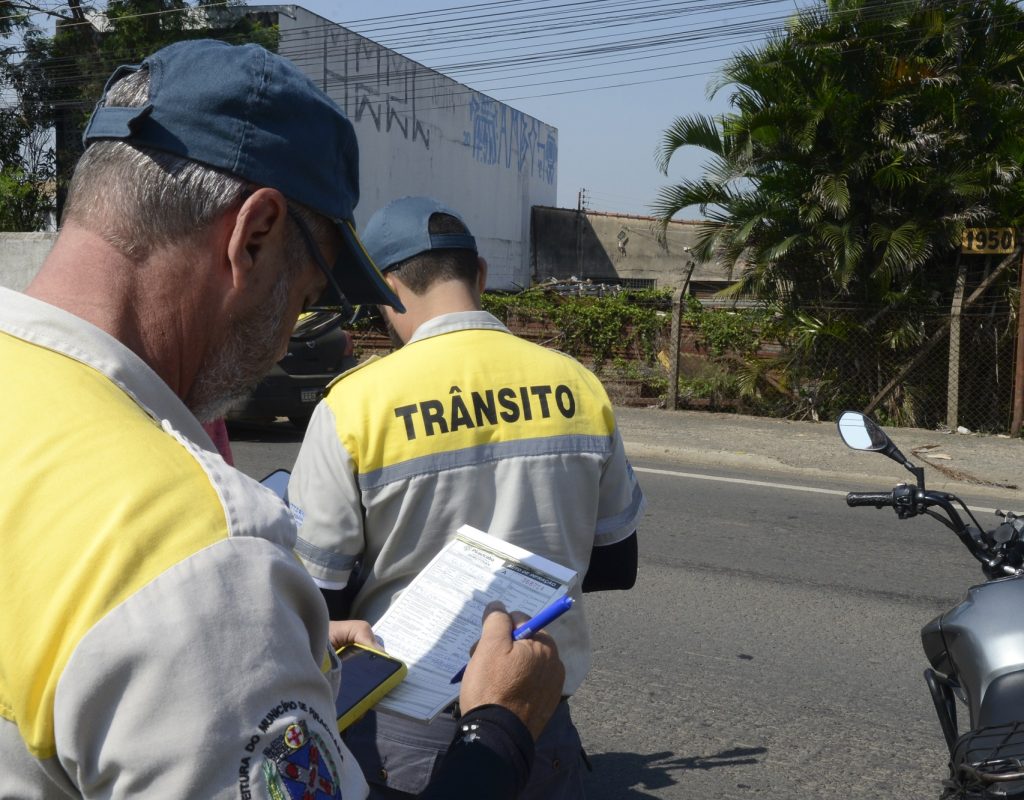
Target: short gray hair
137,197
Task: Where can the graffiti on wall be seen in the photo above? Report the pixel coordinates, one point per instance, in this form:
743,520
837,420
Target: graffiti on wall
502,135
398,96
381,86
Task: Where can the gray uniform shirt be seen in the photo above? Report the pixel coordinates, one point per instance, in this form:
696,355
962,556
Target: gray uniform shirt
464,424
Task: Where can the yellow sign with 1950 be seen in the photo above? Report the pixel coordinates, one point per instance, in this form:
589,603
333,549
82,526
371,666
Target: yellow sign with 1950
988,240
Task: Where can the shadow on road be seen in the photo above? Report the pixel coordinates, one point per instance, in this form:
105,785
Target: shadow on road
629,776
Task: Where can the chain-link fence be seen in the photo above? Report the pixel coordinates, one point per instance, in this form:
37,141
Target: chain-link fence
931,369
898,365
962,375
985,375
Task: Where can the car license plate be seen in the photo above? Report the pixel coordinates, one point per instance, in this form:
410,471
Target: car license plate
309,395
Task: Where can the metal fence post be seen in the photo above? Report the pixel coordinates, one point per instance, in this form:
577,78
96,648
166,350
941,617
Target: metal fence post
672,398
953,372
675,337
1018,364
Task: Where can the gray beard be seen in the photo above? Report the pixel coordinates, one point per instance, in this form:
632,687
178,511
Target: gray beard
228,375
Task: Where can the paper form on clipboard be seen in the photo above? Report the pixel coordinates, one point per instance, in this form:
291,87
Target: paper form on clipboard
436,619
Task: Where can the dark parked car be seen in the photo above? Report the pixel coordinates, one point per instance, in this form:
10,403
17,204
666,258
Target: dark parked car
318,351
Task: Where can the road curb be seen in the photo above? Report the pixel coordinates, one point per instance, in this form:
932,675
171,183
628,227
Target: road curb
857,471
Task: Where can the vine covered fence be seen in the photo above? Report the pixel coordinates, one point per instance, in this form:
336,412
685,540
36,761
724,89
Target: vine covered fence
753,361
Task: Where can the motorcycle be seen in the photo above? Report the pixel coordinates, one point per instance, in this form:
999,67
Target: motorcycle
976,649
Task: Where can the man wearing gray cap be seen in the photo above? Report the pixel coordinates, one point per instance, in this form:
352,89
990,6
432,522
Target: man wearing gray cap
159,636
465,424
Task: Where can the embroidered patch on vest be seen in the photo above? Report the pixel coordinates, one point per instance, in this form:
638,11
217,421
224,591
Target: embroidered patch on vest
298,766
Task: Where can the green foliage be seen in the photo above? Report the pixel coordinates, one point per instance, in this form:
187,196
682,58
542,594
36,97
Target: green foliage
601,324
25,201
860,142
715,384
735,373
55,81
593,327
26,163
622,336
726,331
531,303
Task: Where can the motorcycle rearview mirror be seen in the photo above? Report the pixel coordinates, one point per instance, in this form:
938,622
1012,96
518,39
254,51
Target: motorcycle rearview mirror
860,432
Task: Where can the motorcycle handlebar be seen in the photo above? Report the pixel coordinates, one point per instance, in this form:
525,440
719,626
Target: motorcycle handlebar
910,501
876,499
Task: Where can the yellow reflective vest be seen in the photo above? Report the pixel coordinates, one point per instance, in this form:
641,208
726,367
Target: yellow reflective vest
158,636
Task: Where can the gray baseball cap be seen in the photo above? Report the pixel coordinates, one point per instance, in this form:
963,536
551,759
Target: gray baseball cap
401,230
249,112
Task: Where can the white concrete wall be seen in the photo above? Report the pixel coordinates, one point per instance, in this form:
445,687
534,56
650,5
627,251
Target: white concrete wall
21,255
421,132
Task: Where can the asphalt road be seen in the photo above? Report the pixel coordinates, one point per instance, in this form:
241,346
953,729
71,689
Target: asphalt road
770,648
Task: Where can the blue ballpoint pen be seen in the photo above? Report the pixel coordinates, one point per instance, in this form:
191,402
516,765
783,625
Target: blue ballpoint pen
531,626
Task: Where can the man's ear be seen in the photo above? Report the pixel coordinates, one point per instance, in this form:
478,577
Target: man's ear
259,225
481,274
396,286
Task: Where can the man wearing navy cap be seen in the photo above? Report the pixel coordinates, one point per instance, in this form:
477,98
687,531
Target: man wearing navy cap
159,636
465,424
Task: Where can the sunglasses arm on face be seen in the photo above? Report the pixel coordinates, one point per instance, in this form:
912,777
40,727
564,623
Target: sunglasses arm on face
348,312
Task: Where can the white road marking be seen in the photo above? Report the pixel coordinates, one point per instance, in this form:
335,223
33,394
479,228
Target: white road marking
767,484
745,481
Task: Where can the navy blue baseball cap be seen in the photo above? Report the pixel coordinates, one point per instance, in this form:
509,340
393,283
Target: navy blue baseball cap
249,112
401,230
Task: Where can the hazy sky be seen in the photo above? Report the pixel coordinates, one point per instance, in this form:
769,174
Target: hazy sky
649,61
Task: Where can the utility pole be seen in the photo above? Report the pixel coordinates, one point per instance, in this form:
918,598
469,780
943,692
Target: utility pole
581,204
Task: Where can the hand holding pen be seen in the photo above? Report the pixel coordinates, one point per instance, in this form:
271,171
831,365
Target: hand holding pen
524,676
530,627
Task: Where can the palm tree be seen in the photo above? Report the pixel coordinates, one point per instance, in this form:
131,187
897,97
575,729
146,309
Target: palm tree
861,140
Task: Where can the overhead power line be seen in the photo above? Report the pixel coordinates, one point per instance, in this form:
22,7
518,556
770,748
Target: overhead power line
562,61
609,34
